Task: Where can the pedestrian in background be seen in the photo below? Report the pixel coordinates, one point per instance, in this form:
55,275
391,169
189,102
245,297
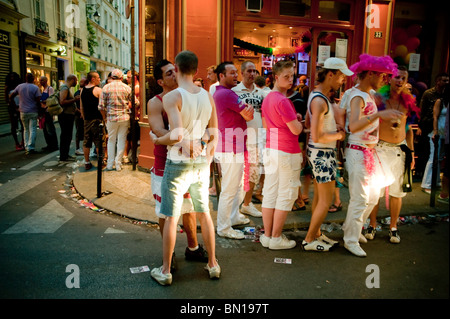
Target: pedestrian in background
29,107
282,158
92,117
115,102
12,80
49,127
79,122
67,117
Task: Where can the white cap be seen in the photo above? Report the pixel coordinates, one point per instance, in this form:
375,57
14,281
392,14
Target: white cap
337,64
117,74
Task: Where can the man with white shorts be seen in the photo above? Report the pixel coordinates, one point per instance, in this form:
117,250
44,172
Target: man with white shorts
396,144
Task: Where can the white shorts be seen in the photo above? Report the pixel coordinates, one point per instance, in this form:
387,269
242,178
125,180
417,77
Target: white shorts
282,179
392,154
156,191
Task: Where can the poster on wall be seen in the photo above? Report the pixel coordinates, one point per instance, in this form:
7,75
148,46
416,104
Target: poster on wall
414,62
341,49
324,53
302,68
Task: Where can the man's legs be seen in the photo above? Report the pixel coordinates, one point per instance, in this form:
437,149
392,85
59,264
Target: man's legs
112,128
228,206
121,142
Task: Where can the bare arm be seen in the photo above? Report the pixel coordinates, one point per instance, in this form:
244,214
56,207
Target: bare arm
155,119
212,133
358,123
247,113
171,103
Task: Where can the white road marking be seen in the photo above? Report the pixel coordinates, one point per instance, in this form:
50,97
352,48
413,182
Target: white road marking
111,230
45,220
39,161
22,184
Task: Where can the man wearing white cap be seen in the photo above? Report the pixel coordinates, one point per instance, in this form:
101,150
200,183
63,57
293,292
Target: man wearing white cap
115,102
321,150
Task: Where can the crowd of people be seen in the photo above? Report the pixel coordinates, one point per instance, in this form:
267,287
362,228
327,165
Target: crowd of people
265,141
269,139
99,112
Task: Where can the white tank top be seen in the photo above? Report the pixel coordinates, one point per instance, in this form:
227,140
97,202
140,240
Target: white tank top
369,135
329,122
195,112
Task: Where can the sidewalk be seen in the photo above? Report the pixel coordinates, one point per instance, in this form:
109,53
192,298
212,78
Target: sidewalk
131,196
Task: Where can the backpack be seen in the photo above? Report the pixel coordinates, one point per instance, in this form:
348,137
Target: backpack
53,106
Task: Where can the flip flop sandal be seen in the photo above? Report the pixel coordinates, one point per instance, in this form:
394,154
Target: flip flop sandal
334,209
297,207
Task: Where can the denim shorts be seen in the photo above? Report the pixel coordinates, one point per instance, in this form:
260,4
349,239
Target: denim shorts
181,177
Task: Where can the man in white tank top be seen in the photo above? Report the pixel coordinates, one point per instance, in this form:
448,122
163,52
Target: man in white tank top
191,140
321,150
365,172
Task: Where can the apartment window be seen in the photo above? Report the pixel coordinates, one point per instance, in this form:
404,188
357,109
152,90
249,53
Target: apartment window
334,10
298,8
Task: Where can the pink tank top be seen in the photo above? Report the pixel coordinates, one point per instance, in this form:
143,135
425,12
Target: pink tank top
160,151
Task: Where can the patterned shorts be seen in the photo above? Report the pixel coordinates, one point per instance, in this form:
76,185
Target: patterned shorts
323,163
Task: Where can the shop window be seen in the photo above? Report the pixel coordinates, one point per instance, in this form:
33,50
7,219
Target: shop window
298,8
334,10
154,45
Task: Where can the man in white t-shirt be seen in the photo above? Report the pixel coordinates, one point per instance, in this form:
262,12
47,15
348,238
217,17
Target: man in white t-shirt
212,78
250,94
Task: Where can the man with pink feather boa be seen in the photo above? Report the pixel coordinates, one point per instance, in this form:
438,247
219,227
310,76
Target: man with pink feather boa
366,174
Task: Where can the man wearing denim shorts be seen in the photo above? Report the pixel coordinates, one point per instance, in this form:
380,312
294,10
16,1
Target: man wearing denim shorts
165,76
192,117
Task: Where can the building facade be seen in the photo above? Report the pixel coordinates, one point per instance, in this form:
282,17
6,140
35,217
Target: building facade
414,33
56,38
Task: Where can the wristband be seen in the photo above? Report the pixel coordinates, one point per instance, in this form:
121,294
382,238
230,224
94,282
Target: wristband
203,144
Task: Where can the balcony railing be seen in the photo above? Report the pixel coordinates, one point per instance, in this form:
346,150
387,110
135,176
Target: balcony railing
40,27
61,34
77,43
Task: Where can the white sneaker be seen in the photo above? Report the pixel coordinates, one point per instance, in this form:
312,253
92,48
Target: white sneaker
162,279
277,243
264,240
241,221
79,152
214,272
250,210
118,167
232,234
362,239
394,237
355,250
316,245
327,240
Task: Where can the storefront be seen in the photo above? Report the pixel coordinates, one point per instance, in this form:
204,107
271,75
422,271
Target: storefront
304,31
9,51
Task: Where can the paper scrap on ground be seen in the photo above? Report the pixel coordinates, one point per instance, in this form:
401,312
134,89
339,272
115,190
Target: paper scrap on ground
136,270
282,260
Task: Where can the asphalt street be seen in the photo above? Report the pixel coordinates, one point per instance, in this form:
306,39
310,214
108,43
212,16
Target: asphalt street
51,247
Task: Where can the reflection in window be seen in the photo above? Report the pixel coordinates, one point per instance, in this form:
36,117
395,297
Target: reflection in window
334,10
298,8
